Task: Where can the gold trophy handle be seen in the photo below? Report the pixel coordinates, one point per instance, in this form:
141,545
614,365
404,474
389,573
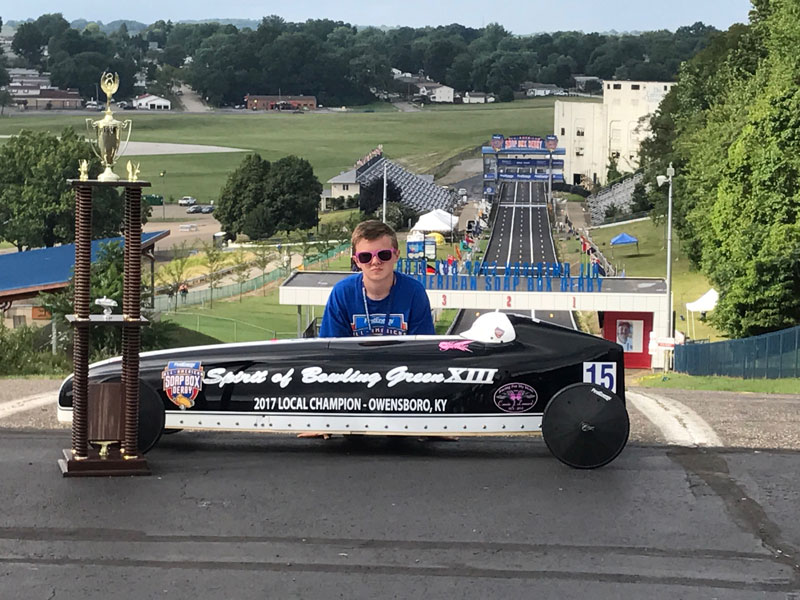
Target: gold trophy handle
92,136
126,124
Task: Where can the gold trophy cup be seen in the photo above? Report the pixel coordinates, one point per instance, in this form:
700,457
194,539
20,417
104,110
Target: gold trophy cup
105,134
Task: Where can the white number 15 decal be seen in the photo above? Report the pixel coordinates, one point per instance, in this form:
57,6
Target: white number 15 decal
601,373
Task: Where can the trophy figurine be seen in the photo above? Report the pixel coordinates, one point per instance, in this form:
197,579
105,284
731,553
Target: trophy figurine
105,133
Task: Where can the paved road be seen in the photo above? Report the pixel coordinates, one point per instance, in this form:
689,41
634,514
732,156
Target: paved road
247,517
254,516
521,233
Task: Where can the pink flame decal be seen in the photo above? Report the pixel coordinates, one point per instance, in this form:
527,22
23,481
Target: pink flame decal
463,346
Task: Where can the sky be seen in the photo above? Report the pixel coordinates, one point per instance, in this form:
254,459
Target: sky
518,16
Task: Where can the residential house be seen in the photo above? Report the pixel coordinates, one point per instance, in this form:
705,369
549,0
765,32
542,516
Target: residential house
544,89
152,102
477,98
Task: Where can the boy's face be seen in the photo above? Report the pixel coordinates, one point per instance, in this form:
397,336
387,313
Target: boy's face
376,270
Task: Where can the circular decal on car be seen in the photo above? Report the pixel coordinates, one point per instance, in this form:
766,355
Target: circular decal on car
515,397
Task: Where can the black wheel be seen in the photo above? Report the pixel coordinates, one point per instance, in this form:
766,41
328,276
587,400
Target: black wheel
585,425
151,417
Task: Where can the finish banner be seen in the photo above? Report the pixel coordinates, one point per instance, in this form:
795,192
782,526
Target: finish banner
530,162
530,176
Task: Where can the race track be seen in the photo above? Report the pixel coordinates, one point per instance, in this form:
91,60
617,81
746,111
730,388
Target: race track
521,233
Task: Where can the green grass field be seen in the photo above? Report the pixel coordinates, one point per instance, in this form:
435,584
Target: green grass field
723,384
651,261
330,142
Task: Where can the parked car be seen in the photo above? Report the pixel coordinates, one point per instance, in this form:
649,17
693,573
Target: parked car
462,191
187,201
206,210
194,209
122,104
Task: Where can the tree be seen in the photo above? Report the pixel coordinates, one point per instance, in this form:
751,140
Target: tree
243,193
289,201
107,280
37,203
506,94
241,269
29,42
214,260
173,274
737,188
5,100
326,239
641,203
371,195
293,194
613,173
264,257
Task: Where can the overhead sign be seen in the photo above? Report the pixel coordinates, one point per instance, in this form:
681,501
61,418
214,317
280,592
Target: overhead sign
529,177
523,141
558,163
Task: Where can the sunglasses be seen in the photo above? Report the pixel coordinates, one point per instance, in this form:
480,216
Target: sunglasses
383,256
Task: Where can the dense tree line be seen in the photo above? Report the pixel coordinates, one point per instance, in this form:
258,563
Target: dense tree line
731,127
340,63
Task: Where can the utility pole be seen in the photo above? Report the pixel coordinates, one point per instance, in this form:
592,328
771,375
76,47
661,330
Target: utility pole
384,190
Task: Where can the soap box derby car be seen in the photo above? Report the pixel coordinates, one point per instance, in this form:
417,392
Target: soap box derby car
507,375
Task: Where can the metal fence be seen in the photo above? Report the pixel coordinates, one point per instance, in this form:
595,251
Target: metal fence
770,356
164,302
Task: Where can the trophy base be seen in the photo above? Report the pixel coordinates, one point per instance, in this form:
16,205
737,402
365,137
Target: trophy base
108,175
97,465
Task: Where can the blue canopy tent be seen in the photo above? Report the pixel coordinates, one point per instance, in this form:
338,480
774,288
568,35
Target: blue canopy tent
623,238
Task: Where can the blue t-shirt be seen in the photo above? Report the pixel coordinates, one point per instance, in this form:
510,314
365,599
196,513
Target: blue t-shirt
407,307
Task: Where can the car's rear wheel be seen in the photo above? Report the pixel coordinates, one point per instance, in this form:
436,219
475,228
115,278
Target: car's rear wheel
585,425
151,417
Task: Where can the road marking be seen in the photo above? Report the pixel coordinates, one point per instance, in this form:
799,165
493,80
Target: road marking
679,424
8,409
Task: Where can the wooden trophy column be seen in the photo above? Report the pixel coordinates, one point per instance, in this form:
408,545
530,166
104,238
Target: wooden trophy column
105,416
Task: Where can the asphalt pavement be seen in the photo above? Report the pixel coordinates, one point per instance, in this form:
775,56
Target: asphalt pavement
232,515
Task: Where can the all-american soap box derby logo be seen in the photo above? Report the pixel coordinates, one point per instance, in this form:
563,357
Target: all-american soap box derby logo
182,382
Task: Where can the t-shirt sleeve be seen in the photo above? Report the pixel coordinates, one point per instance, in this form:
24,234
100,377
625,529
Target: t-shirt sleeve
420,321
335,319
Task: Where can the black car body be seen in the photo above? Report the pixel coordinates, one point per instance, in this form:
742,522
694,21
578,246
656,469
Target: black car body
404,385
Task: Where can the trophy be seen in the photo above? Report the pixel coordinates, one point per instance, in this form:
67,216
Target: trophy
105,133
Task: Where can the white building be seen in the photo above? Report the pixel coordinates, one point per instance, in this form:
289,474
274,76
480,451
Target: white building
544,89
594,132
436,92
152,102
477,98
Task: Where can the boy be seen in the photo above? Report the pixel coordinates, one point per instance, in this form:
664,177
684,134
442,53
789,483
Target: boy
377,300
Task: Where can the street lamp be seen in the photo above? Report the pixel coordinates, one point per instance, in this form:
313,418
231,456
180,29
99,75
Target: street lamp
662,179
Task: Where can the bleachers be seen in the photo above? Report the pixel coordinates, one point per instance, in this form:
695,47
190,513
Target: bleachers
620,194
416,192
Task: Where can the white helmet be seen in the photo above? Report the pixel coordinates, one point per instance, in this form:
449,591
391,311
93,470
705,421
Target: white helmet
491,328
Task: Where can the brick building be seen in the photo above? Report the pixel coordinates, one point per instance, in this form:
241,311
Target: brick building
255,102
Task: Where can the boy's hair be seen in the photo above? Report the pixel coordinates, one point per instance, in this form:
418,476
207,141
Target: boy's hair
372,230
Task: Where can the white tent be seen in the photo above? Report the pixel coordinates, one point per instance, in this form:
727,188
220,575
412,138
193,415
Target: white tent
436,220
704,303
